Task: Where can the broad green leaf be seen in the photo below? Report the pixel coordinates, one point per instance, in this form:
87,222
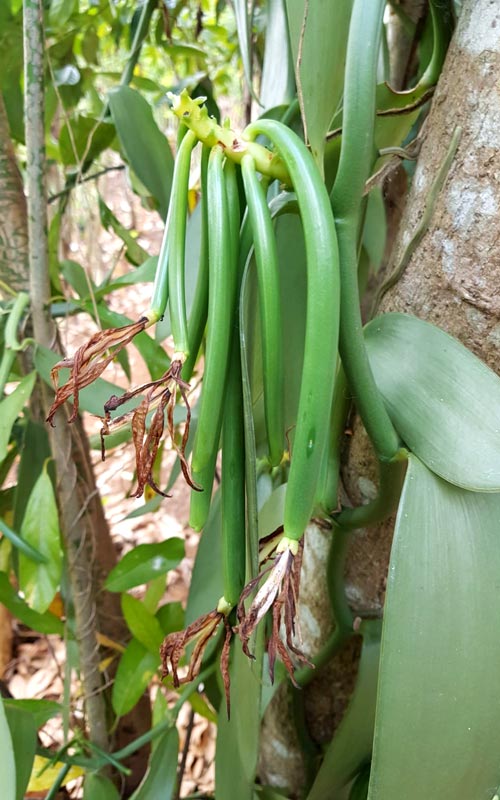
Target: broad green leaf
23,546
40,529
97,787
135,670
88,138
318,34
352,743
141,623
35,452
243,27
60,11
143,274
154,592
76,276
134,252
443,401
171,617
10,408
22,728
143,563
145,147
40,710
92,398
277,83
44,623
160,779
238,738
206,580
8,761
436,727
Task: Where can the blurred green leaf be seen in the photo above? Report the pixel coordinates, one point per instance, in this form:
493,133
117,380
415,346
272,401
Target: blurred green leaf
443,401
44,623
144,146
135,670
352,742
161,777
318,34
171,617
83,138
8,761
143,274
23,729
206,580
60,11
97,787
278,80
40,529
437,704
35,452
10,408
134,252
143,563
141,623
40,710
24,547
75,275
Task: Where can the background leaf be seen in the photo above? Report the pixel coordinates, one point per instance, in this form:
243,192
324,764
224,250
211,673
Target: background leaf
160,779
44,623
436,729
143,563
135,670
97,786
144,146
318,34
22,728
443,401
10,408
8,762
142,624
40,529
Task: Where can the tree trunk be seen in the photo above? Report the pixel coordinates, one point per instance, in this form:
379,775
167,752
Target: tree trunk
450,280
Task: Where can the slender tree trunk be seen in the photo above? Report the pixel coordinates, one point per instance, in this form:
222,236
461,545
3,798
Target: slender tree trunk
13,219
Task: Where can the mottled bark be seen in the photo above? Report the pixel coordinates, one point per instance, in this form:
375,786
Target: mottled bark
13,221
452,281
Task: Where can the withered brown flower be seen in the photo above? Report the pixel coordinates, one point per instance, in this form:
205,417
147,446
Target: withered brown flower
199,632
280,591
160,395
89,362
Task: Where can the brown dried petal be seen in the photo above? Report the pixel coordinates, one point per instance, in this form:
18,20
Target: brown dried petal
174,645
87,365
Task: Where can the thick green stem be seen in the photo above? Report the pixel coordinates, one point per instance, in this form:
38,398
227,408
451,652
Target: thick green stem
76,536
356,158
391,482
235,145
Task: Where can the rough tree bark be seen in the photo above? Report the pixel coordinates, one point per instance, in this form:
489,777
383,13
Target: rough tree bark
452,281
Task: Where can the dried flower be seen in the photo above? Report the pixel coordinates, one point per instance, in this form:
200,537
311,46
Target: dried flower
280,591
198,633
88,363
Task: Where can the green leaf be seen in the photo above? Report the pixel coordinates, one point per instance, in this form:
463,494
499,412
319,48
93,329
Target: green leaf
243,27
142,624
436,728
23,546
35,452
11,407
97,786
40,529
206,580
443,401
44,623
143,563
171,617
238,738
278,82
8,762
76,276
40,710
318,34
161,777
352,743
60,11
143,274
134,252
135,671
22,728
87,140
144,146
